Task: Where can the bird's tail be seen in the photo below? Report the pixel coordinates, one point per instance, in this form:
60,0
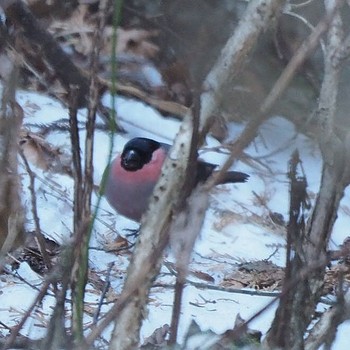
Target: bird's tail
234,176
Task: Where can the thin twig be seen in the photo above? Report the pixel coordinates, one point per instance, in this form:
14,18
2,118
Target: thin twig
103,294
83,220
76,156
38,234
308,24
186,238
303,4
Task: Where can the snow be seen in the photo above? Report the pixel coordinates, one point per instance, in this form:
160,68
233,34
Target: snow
234,231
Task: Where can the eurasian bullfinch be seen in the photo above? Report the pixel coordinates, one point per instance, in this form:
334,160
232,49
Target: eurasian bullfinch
134,173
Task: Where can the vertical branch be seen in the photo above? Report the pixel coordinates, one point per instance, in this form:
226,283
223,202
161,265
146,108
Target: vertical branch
56,337
93,104
112,116
333,149
38,234
299,202
182,260
76,156
184,232
11,210
288,329
84,188
77,302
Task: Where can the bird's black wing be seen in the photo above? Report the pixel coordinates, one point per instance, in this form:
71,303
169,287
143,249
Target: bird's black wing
204,170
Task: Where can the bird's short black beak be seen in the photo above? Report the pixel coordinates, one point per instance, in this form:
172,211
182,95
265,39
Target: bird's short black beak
131,160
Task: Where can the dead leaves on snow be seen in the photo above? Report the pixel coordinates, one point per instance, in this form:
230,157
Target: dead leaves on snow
43,155
265,276
259,275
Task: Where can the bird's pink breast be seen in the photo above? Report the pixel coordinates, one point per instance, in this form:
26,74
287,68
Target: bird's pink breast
129,191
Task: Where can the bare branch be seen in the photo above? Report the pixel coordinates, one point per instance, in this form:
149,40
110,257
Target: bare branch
257,18
153,238
11,210
183,235
38,234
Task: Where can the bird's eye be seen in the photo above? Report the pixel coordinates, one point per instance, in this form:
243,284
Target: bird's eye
131,160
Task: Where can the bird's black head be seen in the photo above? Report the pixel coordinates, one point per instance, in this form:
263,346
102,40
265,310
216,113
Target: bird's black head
138,152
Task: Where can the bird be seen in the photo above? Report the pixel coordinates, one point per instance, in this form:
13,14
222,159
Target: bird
133,174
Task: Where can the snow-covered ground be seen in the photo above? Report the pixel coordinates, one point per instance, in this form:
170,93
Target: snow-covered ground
236,227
